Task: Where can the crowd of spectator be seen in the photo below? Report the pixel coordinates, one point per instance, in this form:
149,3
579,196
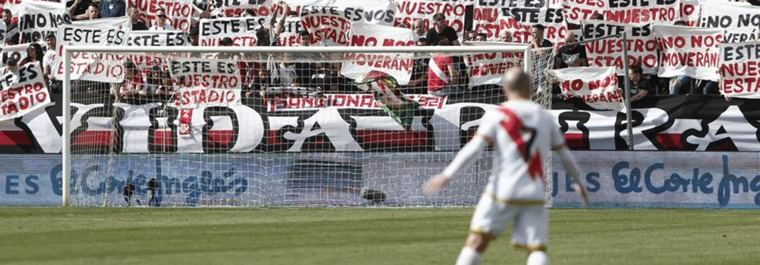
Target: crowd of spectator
439,74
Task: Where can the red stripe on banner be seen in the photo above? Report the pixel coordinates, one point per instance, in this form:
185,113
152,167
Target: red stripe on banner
669,141
512,124
392,138
14,138
93,138
575,141
161,137
220,136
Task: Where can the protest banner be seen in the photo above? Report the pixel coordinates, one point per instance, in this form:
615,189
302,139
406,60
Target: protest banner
740,70
99,67
200,96
288,102
37,19
740,22
515,18
158,38
596,86
179,12
145,61
642,45
489,68
203,82
242,30
409,11
235,8
694,52
329,21
23,91
289,36
635,13
399,66
205,73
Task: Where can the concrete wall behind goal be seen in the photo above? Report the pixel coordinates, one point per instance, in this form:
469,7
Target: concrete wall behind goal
614,179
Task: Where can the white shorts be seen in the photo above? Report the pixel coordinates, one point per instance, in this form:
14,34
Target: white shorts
530,223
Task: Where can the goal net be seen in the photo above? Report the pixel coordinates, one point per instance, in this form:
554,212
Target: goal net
275,126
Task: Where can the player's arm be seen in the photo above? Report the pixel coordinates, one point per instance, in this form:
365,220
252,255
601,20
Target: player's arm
465,156
572,168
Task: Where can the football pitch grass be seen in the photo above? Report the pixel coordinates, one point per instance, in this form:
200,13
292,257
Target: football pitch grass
364,236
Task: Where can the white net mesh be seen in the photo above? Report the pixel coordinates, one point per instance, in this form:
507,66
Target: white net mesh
290,129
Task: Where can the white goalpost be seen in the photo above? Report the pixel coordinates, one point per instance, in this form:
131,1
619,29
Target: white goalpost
279,126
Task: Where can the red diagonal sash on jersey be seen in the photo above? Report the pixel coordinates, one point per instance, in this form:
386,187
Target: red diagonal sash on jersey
513,125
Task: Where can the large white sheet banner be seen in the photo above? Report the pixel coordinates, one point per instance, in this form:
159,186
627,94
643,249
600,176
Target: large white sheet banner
329,21
694,52
637,13
242,30
99,67
740,70
496,18
38,18
371,35
741,22
596,86
23,91
205,73
489,68
642,45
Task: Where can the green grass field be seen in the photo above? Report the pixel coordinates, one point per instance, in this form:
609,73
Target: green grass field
363,236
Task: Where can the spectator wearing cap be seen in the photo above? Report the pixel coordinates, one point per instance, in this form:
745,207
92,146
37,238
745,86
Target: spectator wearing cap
161,22
134,18
441,31
77,9
537,37
11,29
111,8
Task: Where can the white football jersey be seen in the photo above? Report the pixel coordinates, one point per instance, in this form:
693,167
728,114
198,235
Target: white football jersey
522,134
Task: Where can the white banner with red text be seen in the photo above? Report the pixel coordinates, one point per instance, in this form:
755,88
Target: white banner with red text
596,86
693,52
642,45
23,91
397,65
